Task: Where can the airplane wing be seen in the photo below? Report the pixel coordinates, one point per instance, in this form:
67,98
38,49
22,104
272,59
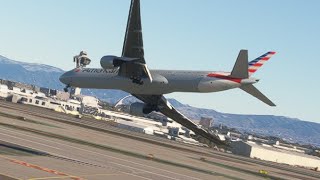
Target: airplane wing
133,43
133,65
133,47
168,110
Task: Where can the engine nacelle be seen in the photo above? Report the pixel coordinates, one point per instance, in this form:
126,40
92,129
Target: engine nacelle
140,109
108,62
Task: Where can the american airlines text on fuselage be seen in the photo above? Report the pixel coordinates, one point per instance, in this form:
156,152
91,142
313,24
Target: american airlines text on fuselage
98,70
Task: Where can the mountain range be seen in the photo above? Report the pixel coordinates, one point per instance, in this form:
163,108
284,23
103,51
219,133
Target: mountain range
291,129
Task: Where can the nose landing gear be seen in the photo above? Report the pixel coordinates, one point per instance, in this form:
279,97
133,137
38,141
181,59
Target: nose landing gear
66,89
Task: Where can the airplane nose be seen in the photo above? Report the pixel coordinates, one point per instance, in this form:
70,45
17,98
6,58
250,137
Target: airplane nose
65,78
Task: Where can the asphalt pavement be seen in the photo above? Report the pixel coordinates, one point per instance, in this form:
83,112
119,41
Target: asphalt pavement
37,143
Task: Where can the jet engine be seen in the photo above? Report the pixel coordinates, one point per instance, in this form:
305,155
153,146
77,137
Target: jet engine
140,109
108,62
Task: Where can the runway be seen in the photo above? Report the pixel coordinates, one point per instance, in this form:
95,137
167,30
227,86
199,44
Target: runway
38,144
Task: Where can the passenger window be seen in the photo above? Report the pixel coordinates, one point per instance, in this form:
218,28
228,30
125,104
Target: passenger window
43,103
30,100
37,102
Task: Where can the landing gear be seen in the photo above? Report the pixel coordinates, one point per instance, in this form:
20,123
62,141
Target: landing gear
137,80
66,89
148,109
140,82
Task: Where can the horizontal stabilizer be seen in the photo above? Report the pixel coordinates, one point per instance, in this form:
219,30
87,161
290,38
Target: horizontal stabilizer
240,68
250,89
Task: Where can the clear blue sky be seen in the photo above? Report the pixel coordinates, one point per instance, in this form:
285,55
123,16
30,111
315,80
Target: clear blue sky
183,34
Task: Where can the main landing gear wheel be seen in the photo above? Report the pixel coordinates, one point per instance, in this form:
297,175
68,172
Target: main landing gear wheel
137,80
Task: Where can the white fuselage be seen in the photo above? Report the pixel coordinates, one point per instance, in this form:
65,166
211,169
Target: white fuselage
163,81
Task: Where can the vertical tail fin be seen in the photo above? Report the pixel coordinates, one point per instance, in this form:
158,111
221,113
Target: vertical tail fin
255,64
240,68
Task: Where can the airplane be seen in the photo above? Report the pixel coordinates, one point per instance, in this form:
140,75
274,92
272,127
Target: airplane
131,74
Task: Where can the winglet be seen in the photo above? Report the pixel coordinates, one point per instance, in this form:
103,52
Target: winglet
240,68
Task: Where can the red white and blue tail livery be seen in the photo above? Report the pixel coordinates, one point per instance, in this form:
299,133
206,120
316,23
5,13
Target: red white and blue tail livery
255,64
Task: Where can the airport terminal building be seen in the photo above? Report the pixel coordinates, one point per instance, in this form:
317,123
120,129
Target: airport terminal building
273,154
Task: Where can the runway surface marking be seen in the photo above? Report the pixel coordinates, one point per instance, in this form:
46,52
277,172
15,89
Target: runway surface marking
23,163
89,175
31,141
95,175
124,160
